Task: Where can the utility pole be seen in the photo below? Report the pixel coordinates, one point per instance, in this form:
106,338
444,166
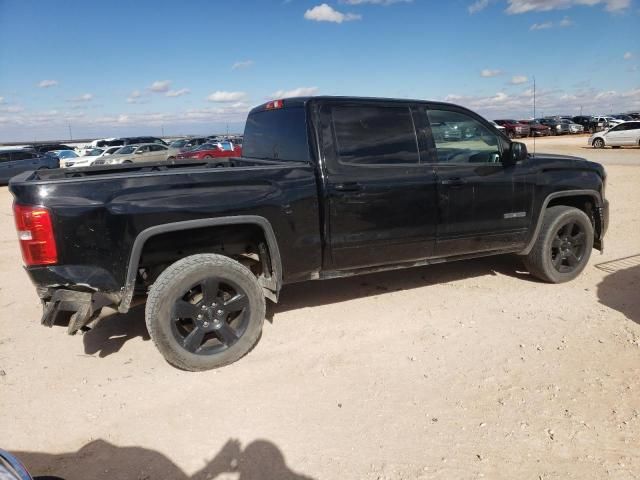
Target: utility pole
70,135
580,110
162,128
534,112
227,129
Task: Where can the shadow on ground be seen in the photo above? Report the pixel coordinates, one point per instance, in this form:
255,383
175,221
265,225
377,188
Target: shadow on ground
620,289
260,460
113,330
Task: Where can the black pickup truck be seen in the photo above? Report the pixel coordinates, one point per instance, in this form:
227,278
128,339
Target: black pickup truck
327,187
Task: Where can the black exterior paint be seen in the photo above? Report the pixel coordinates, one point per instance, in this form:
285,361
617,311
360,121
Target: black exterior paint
328,219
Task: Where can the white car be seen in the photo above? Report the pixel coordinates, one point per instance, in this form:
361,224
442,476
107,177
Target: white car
89,157
626,134
145,152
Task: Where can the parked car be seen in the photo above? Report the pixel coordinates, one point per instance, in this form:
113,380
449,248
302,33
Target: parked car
573,127
626,134
514,129
556,126
210,245
209,151
605,122
63,154
47,147
124,141
587,122
89,158
15,161
147,152
184,145
536,129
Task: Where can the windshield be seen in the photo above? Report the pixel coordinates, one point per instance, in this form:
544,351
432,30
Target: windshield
93,152
207,146
126,150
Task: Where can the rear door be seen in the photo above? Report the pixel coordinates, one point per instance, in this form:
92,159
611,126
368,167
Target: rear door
158,152
381,198
484,205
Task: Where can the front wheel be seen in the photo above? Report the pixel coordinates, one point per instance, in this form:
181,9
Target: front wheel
563,246
205,311
598,143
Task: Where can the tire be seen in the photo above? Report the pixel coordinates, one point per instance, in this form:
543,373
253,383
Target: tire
598,143
511,134
563,246
207,335
207,157
171,159
127,161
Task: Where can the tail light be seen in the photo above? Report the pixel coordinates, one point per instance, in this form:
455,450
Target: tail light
275,105
35,233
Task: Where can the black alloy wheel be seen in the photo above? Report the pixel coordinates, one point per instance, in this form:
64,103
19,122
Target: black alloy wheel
568,247
210,316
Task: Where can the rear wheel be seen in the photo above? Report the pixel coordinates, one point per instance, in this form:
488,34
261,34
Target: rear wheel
205,311
563,246
598,143
207,157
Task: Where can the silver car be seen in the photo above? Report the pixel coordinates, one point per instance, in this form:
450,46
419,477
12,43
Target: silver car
145,152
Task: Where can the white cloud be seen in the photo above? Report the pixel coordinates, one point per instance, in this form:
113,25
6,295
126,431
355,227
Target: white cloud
565,22
628,56
134,97
518,80
47,83
1,99
325,13
296,92
550,102
487,73
85,97
227,97
177,93
160,86
523,6
541,26
242,64
477,6
374,2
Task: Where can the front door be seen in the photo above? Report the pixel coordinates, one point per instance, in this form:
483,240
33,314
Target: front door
484,205
381,198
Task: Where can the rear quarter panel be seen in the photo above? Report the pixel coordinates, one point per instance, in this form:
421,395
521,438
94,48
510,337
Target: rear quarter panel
96,219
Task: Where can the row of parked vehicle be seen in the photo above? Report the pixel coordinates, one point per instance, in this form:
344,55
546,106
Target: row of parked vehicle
562,125
116,151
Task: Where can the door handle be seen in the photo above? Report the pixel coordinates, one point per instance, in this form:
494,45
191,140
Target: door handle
453,182
347,187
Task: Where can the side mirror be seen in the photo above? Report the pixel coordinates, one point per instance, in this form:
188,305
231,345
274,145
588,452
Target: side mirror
517,152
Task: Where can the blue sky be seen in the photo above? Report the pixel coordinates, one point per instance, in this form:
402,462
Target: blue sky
143,67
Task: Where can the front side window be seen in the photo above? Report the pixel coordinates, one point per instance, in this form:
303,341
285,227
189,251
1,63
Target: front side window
374,135
460,138
21,156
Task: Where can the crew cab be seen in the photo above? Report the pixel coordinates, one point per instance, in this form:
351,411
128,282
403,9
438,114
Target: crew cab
326,187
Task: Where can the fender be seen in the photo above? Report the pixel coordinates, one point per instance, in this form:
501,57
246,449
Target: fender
565,193
141,239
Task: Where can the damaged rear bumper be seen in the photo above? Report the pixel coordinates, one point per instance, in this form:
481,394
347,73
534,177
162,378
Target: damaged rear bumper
81,307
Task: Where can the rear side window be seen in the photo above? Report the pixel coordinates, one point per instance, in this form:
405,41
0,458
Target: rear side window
374,135
277,135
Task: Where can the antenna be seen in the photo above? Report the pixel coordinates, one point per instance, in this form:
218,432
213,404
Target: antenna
534,113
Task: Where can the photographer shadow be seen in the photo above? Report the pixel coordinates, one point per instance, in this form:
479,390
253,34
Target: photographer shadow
100,460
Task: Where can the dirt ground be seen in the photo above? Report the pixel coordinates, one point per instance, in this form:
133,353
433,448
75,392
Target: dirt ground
460,371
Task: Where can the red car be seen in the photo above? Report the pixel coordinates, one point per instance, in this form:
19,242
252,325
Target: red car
208,151
536,129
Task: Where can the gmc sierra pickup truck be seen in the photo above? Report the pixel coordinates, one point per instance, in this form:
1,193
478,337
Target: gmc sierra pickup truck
326,187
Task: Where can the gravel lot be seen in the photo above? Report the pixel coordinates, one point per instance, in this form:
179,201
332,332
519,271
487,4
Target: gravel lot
456,371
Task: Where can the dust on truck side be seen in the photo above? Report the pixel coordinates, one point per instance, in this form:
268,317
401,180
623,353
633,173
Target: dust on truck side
326,187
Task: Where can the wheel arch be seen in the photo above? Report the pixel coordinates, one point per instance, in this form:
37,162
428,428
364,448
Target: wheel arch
589,201
270,285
